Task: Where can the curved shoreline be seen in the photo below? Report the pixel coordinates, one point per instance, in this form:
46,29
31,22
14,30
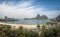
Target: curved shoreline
23,25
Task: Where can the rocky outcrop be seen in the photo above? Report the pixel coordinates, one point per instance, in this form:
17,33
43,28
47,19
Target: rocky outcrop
38,17
43,17
58,18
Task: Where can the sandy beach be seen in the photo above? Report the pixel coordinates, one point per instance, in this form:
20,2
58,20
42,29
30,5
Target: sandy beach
24,25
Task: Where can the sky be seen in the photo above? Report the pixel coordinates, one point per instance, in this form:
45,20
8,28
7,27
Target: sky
29,8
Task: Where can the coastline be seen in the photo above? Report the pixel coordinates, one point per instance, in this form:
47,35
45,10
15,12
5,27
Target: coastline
23,25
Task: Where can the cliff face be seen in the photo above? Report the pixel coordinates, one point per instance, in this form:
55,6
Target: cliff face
37,17
43,17
58,18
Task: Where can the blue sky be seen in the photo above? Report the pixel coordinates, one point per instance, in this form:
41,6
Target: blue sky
29,8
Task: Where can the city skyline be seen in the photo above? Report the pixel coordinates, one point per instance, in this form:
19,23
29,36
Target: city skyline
29,8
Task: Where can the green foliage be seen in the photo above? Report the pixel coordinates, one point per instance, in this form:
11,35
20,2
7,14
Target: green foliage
43,27
7,31
53,32
51,23
38,26
20,27
48,23
43,33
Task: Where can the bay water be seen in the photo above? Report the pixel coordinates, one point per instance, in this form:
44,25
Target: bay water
28,22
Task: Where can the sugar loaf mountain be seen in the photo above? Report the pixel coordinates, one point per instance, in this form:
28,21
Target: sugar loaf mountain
37,17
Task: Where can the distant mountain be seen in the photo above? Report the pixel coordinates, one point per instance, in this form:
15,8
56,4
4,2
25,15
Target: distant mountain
58,18
8,19
37,17
43,17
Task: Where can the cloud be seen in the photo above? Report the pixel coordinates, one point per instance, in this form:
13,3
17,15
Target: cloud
23,9
18,11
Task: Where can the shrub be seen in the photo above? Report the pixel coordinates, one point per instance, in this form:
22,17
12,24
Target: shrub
38,26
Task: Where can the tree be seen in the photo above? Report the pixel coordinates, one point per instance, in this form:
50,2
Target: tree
20,27
38,26
43,28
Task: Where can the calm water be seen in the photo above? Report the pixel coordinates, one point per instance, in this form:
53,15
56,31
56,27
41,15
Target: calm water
28,22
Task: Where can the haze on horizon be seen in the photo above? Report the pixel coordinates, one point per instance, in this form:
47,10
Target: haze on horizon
29,8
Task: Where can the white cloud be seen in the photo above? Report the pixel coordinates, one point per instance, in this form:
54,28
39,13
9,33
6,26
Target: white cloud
22,10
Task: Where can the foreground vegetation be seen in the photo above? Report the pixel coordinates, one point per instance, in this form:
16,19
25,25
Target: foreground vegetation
53,32
7,31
